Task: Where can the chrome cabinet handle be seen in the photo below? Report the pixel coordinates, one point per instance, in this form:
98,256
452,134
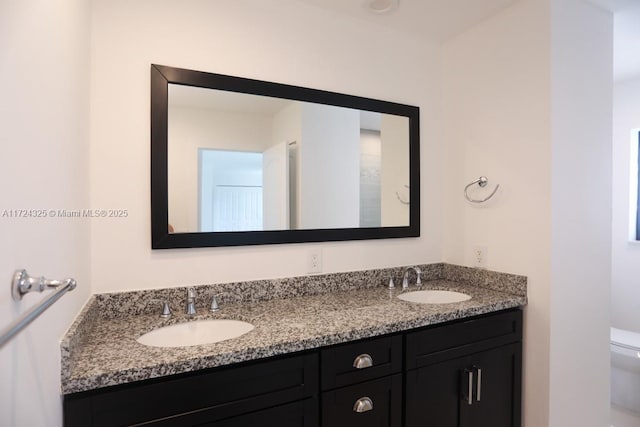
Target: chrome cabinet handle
478,384
364,404
363,361
469,395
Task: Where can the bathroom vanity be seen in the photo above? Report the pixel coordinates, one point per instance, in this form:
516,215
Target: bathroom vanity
342,349
350,357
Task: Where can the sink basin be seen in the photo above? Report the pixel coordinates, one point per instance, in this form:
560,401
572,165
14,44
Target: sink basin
195,333
434,297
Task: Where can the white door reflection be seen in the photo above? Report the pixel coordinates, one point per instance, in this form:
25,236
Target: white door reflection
231,186
275,168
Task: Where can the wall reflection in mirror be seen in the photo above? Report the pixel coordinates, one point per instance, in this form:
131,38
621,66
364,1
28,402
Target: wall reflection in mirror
244,162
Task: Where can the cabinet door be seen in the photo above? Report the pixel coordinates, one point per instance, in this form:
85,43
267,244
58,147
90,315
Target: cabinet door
219,393
495,389
480,390
433,394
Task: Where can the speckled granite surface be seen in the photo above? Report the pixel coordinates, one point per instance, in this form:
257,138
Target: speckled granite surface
100,348
119,304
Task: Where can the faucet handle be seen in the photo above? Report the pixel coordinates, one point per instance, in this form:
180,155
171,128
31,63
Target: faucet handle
166,310
214,304
191,292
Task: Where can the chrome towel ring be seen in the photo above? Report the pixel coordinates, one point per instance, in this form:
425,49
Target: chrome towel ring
482,182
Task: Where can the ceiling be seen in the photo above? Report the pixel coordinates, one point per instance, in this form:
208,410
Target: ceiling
236,102
436,20
439,20
212,99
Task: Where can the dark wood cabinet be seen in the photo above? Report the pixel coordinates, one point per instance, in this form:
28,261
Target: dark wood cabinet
481,390
302,413
464,383
363,383
375,403
211,397
495,388
464,373
347,364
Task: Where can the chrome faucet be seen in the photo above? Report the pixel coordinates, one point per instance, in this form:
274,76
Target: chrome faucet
405,278
191,302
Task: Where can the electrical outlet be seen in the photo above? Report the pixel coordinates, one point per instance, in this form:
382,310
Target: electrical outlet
315,261
480,254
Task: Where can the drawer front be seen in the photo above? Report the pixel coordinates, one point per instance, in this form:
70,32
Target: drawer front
226,391
375,403
360,361
439,343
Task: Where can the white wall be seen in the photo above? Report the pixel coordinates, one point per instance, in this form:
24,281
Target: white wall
286,125
521,108
582,88
287,129
394,173
44,64
275,187
329,167
625,289
497,124
282,41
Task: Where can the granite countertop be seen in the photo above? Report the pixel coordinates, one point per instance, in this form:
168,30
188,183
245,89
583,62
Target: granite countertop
109,353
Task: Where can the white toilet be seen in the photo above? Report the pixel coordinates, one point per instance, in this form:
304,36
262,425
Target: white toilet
625,369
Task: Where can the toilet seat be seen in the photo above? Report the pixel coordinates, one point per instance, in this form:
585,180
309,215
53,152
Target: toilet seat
625,339
625,369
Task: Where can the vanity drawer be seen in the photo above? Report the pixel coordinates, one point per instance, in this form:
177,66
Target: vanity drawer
439,343
360,361
375,403
220,393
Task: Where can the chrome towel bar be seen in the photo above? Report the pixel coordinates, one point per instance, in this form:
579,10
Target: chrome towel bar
21,284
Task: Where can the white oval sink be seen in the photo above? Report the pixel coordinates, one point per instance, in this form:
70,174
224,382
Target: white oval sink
195,333
434,297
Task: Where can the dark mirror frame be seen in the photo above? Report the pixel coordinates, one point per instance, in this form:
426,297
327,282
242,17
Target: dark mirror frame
638,195
162,75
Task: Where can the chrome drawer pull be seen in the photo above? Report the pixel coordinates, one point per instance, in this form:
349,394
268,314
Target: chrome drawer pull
363,361
363,404
469,392
479,386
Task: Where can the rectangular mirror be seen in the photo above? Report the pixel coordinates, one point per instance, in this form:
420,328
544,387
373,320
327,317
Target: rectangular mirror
243,162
